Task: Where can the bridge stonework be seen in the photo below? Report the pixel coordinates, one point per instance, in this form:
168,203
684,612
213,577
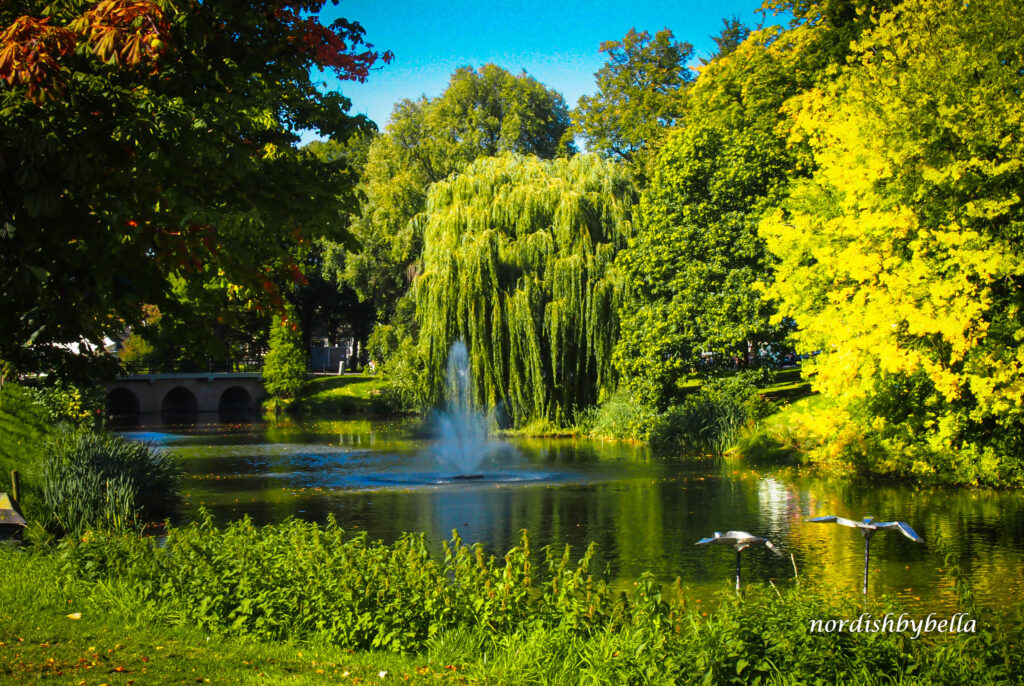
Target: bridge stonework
184,393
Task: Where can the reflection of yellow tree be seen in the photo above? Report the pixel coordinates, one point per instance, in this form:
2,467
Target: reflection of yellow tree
973,524
826,552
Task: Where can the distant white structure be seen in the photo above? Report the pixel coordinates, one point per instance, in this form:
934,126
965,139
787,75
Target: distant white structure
84,347
326,359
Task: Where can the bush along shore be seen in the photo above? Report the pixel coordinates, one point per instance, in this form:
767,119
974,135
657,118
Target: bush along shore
463,616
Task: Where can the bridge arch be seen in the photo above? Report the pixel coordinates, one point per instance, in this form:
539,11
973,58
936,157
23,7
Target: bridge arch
179,401
191,394
122,402
235,400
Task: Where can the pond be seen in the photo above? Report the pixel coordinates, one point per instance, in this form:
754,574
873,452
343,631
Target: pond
644,512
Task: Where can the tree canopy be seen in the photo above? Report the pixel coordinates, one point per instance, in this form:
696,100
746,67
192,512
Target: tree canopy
693,265
483,112
697,264
518,264
901,257
147,145
639,97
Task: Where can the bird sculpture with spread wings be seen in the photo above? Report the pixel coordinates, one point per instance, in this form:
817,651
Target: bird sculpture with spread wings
869,527
740,541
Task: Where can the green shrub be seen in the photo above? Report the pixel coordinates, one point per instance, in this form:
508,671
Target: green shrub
297,580
619,417
284,366
710,420
70,405
404,373
102,481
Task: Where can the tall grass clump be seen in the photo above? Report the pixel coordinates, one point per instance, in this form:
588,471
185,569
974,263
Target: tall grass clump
709,421
103,481
619,417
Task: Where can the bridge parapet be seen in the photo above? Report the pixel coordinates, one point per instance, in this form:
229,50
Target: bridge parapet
184,393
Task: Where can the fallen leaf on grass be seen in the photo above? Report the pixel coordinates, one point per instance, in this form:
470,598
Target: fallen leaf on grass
75,615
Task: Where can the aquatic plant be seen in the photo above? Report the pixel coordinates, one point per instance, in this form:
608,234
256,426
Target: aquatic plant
619,417
100,480
708,421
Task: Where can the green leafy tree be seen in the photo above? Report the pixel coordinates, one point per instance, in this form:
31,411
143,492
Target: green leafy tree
482,113
150,146
640,97
732,35
285,364
901,257
696,267
518,264
693,266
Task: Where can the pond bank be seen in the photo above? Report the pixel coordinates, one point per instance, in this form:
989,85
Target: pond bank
803,430
104,626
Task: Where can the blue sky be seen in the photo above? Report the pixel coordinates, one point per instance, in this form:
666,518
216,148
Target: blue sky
555,42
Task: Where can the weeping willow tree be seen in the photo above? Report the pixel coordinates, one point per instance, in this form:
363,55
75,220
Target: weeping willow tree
518,264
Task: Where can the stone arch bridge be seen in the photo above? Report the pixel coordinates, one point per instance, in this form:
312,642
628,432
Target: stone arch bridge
184,394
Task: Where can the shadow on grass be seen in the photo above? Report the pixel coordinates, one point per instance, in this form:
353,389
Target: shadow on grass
354,394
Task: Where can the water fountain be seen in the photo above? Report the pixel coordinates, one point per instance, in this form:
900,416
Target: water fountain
463,445
460,452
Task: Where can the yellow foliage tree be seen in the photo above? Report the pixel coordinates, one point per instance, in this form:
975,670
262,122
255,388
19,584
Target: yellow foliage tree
901,257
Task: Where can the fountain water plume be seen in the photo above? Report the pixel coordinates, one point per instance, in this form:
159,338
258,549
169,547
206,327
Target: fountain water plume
463,443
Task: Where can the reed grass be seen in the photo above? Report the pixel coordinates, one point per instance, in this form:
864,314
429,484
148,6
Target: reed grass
99,480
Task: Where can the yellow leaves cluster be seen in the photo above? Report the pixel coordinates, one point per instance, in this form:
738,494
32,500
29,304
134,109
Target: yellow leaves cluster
888,264
30,54
124,31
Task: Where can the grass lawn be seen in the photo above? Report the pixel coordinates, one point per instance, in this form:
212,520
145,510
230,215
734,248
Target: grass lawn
41,644
338,395
786,384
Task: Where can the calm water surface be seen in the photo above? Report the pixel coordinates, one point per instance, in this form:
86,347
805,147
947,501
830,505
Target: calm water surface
644,512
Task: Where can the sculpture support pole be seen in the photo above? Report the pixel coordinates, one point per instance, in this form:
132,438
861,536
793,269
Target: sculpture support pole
738,553
867,548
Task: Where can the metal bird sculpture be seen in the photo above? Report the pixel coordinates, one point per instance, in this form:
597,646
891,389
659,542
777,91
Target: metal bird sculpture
868,528
740,541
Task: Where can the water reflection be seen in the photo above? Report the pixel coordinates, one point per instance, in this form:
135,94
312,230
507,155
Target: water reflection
644,513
